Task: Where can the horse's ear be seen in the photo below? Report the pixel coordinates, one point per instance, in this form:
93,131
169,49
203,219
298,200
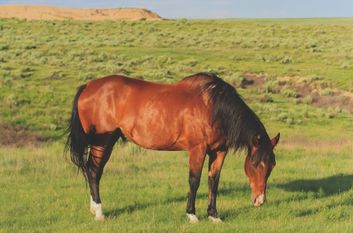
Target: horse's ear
256,140
275,140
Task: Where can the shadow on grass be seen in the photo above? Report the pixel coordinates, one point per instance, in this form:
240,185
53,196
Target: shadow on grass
319,188
142,206
311,188
226,191
323,187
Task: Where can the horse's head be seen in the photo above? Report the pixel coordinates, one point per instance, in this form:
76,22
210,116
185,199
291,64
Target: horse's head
258,166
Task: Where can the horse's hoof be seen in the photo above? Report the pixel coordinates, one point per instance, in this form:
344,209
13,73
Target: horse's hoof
215,220
192,218
99,218
93,211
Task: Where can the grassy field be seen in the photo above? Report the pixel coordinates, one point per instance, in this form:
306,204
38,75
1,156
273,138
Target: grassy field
303,86
145,191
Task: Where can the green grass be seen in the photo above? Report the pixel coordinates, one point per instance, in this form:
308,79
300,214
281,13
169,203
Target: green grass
310,190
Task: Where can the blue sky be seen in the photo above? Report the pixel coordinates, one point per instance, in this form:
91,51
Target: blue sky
216,8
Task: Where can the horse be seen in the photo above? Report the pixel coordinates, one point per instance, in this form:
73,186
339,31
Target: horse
201,114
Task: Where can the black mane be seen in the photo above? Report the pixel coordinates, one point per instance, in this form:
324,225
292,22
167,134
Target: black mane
238,123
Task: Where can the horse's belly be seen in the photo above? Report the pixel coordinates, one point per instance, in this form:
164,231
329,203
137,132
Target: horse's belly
150,137
158,129
164,133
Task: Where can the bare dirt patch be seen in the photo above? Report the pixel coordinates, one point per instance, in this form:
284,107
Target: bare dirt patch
320,93
340,101
253,80
60,13
313,91
19,136
297,141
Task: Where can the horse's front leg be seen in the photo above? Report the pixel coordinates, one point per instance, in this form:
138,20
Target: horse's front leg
196,160
216,160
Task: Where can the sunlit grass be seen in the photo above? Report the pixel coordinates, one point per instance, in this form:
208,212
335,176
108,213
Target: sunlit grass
310,190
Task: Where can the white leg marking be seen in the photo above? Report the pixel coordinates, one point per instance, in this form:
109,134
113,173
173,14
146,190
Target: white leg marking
99,213
192,218
215,220
96,209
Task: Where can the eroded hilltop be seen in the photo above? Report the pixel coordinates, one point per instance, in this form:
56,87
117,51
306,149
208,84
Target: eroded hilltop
61,13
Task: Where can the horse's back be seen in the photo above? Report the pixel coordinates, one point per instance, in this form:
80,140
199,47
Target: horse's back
120,83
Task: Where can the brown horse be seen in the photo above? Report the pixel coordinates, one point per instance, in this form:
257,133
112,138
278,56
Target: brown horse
201,114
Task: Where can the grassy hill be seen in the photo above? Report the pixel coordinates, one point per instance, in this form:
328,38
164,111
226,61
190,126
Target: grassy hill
42,63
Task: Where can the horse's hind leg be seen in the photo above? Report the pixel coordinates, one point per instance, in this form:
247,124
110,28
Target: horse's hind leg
102,146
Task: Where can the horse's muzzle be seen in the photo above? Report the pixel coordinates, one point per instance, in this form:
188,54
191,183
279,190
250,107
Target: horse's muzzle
259,200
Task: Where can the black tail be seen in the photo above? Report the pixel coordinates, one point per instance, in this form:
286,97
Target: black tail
77,140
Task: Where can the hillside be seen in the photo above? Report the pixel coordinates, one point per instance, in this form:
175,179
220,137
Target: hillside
60,13
297,76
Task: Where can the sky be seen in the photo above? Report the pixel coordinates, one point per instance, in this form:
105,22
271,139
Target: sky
216,8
